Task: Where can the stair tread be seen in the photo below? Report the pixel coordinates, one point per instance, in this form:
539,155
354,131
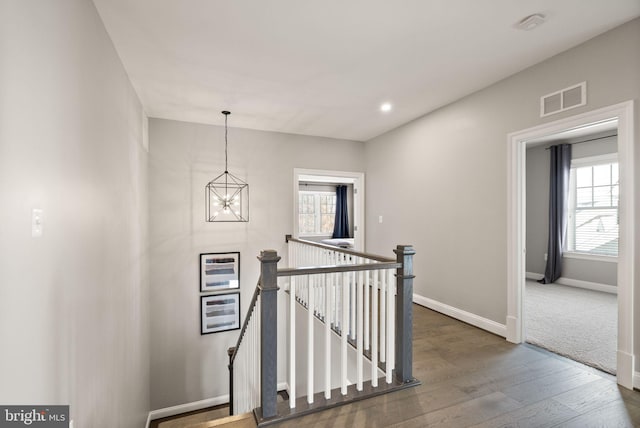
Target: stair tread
245,420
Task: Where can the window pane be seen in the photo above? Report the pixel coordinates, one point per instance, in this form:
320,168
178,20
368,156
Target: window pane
614,193
602,175
594,219
602,196
597,231
307,224
583,176
328,221
306,204
306,213
316,212
584,197
327,213
328,204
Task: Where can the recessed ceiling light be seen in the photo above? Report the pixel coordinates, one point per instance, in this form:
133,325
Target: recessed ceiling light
385,107
530,22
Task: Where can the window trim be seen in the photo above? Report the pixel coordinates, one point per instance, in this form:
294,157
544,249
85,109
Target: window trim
580,163
587,256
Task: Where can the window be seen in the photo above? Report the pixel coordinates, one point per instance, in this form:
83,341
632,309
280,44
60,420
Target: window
316,212
593,206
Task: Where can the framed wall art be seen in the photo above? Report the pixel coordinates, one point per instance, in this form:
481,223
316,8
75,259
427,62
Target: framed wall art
219,312
219,271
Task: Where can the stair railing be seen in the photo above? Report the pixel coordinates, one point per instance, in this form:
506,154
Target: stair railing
358,299
244,362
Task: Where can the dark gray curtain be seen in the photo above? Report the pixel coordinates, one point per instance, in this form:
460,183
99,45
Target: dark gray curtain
560,165
341,224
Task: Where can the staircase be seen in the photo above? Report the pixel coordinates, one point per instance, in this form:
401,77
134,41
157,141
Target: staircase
361,347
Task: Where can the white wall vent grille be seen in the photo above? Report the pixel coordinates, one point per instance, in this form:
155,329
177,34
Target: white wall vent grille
564,99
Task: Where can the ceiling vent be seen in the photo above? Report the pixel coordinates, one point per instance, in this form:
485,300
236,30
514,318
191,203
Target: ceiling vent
564,99
530,22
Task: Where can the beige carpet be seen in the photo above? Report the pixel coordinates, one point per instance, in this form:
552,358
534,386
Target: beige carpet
577,323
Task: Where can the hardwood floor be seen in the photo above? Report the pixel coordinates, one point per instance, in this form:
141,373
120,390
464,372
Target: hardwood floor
473,378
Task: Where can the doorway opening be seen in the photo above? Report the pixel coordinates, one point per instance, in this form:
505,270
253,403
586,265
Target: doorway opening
312,190
517,224
576,314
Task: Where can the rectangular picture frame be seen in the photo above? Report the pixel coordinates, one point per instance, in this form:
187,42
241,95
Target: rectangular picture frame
219,312
219,271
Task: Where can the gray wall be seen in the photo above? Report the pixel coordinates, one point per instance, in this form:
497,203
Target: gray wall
538,216
74,302
440,181
186,366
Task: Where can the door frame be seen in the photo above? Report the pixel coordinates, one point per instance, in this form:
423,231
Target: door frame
516,226
340,177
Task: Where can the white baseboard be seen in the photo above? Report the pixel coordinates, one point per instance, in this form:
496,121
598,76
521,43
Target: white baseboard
596,286
612,289
636,380
512,330
625,369
533,276
468,317
188,407
197,405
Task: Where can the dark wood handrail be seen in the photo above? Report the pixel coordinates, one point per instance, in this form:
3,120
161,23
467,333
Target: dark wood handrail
233,351
254,299
337,268
375,257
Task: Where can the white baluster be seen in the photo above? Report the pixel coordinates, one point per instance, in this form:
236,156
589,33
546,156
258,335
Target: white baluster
310,352
359,344
383,316
292,346
390,326
352,289
327,341
374,330
343,337
366,308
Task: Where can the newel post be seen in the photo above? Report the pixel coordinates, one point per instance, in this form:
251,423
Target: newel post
268,331
404,313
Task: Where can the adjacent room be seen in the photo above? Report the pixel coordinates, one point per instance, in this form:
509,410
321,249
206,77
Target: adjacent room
571,301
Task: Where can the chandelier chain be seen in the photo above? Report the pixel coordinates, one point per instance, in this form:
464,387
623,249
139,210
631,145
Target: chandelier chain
226,157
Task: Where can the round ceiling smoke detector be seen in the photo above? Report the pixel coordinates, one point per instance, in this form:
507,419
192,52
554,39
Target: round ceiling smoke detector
530,22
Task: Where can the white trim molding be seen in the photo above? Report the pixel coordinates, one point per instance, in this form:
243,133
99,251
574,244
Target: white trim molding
636,380
197,405
516,224
605,288
344,177
533,276
473,319
188,407
587,285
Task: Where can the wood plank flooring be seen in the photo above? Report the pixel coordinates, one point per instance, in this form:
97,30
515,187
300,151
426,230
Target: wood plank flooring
473,378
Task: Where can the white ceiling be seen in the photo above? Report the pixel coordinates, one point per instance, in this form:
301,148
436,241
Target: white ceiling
323,67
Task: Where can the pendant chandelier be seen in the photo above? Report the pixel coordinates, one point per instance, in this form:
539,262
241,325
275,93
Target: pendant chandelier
226,196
